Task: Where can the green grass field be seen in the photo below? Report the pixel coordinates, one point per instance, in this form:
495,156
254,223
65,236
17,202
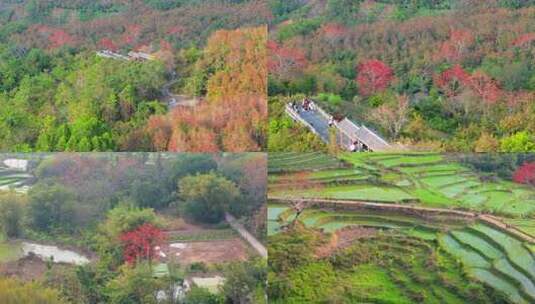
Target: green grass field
205,235
9,251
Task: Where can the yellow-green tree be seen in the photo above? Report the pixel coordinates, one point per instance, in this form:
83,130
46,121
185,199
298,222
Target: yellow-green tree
16,292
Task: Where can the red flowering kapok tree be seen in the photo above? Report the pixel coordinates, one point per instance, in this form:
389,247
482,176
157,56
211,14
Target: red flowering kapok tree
452,79
108,44
524,40
139,243
56,37
131,34
373,76
485,87
525,174
333,31
457,46
284,60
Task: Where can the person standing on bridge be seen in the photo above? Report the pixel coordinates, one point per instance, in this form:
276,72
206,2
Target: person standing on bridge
306,104
312,106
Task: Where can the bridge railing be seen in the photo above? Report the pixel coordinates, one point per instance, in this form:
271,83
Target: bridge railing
376,135
350,133
321,111
346,138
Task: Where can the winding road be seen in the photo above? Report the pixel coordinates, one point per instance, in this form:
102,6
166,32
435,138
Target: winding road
174,100
170,99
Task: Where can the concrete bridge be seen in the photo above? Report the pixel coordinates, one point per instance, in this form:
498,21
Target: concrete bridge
347,132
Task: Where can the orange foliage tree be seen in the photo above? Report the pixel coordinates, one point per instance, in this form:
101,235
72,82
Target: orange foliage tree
234,114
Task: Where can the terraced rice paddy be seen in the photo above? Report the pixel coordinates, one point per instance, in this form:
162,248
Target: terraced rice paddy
358,192
292,161
274,211
427,179
331,221
486,254
495,258
13,179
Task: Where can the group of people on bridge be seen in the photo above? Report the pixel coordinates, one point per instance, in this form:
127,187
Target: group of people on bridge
306,105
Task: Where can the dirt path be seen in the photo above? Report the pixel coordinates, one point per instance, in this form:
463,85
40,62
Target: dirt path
343,238
209,252
259,247
486,218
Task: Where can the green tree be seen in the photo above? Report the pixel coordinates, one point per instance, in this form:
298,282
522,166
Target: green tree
133,285
207,196
51,206
33,9
242,279
344,11
518,142
148,193
124,218
11,211
191,164
199,295
15,292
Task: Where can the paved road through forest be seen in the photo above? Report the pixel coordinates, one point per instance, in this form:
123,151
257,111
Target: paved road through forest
174,100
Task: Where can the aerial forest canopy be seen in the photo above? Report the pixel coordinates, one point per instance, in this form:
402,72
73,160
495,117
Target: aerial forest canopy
58,94
432,75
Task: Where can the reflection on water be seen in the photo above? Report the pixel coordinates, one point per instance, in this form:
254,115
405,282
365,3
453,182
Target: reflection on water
53,252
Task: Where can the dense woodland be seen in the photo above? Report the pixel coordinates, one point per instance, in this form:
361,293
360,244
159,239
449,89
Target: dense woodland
452,75
57,95
112,206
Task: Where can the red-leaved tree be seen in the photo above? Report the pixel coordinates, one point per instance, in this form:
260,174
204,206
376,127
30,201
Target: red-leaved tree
485,87
283,60
451,80
333,31
525,174
457,46
139,243
108,44
373,76
524,40
454,79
